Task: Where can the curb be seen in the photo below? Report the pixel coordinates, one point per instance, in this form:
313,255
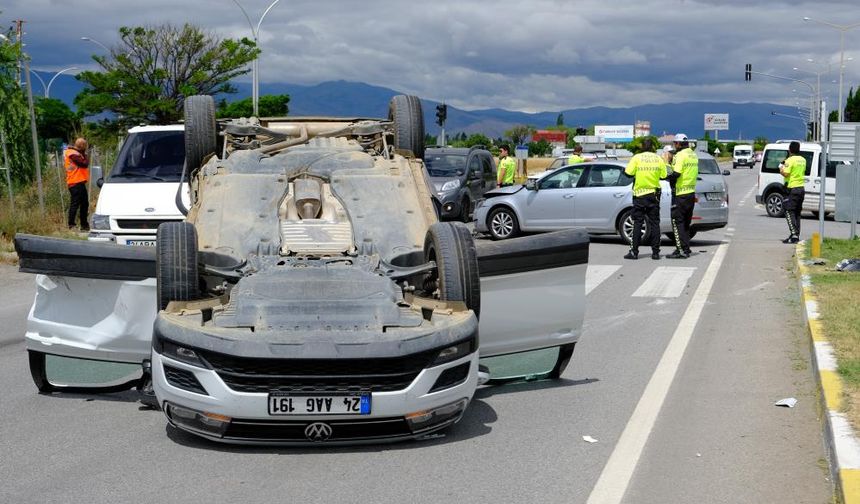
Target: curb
842,444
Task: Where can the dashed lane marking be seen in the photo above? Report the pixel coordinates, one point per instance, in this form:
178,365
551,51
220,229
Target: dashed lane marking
596,274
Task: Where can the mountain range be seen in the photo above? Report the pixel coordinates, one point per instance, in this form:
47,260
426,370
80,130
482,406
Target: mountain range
357,99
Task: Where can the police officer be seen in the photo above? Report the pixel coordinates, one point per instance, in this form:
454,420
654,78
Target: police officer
646,168
507,167
685,173
576,157
77,175
793,169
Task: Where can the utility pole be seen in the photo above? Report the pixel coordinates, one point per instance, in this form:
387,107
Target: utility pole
8,170
36,155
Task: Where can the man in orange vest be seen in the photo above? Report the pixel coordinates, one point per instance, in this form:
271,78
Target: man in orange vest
77,175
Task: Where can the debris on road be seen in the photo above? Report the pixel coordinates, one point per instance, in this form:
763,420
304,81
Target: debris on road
848,265
788,402
589,439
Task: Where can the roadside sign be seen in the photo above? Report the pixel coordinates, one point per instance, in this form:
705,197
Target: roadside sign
616,133
716,122
842,138
521,152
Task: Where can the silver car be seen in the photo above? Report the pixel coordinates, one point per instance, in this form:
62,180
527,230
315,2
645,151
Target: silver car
597,196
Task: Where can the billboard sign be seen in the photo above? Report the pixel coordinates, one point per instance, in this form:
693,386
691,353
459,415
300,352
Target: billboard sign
616,133
716,122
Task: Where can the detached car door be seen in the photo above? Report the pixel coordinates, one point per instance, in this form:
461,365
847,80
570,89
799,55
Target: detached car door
532,302
90,326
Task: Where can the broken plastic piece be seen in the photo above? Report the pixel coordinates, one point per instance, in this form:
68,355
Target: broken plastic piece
788,402
589,439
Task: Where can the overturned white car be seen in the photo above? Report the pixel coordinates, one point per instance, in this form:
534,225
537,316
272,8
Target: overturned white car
311,295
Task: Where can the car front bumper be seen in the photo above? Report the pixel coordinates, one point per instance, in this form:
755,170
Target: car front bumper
218,412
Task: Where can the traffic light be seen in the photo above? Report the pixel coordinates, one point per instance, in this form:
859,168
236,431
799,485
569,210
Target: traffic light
748,72
441,114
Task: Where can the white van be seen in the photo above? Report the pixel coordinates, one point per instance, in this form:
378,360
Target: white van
140,192
743,155
771,185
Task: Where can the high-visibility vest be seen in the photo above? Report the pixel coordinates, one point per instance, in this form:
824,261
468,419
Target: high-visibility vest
796,167
75,173
647,169
507,170
686,164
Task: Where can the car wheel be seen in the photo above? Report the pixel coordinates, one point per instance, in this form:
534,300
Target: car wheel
773,204
502,223
176,274
625,226
408,119
201,138
734,166
451,246
37,371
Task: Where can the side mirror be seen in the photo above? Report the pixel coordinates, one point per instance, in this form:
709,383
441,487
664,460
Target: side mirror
96,172
531,185
726,172
100,182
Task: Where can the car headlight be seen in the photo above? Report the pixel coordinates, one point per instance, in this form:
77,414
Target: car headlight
450,185
179,352
101,222
455,352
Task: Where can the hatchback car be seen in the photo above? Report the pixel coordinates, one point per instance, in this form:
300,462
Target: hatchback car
460,177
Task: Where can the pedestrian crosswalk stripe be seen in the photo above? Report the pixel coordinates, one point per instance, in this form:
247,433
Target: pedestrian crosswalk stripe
665,282
596,274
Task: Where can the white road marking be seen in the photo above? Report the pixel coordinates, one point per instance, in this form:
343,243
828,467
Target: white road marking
596,274
616,475
665,282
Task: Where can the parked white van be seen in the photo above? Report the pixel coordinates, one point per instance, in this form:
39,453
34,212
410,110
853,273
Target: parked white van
743,155
771,185
140,192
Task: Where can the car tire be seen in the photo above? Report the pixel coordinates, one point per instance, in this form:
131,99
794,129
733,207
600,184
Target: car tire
773,204
502,223
408,119
176,263
451,246
734,166
37,371
625,226
201,136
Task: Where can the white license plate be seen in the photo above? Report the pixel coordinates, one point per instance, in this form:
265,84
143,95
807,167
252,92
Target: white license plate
141,243
296,404
714,196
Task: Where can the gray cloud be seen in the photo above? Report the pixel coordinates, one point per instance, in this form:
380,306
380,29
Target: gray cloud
532,56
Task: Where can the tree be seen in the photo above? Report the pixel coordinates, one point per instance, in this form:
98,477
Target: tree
559,121
540,148
852,106
14,116
146,77
54,119
268,106
759,143
477,139
519,134
635,146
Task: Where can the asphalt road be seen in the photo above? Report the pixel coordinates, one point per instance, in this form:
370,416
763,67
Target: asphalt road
714,436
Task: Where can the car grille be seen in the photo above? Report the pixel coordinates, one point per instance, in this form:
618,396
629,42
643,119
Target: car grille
294,431
141,223
317,375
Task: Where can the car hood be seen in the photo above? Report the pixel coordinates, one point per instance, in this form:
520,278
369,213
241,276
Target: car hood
503,191
438,182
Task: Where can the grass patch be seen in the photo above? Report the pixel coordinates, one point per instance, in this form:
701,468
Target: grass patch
838,295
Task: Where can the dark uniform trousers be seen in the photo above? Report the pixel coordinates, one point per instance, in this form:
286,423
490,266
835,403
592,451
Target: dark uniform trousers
792,204
646,208
682,218
80,203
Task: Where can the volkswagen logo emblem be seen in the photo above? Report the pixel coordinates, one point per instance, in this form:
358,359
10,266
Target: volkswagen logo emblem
149,209
318,431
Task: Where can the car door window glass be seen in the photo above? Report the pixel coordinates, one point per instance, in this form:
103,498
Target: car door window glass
475,168
773,157
564,179
487,166
603,175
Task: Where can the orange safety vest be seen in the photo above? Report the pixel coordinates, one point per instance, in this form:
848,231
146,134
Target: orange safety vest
74,174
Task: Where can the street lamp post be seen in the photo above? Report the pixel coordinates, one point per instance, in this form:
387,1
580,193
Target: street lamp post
94,41
40,80
842,29
255,32
48,89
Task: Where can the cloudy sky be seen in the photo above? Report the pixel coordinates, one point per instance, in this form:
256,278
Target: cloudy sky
534,55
